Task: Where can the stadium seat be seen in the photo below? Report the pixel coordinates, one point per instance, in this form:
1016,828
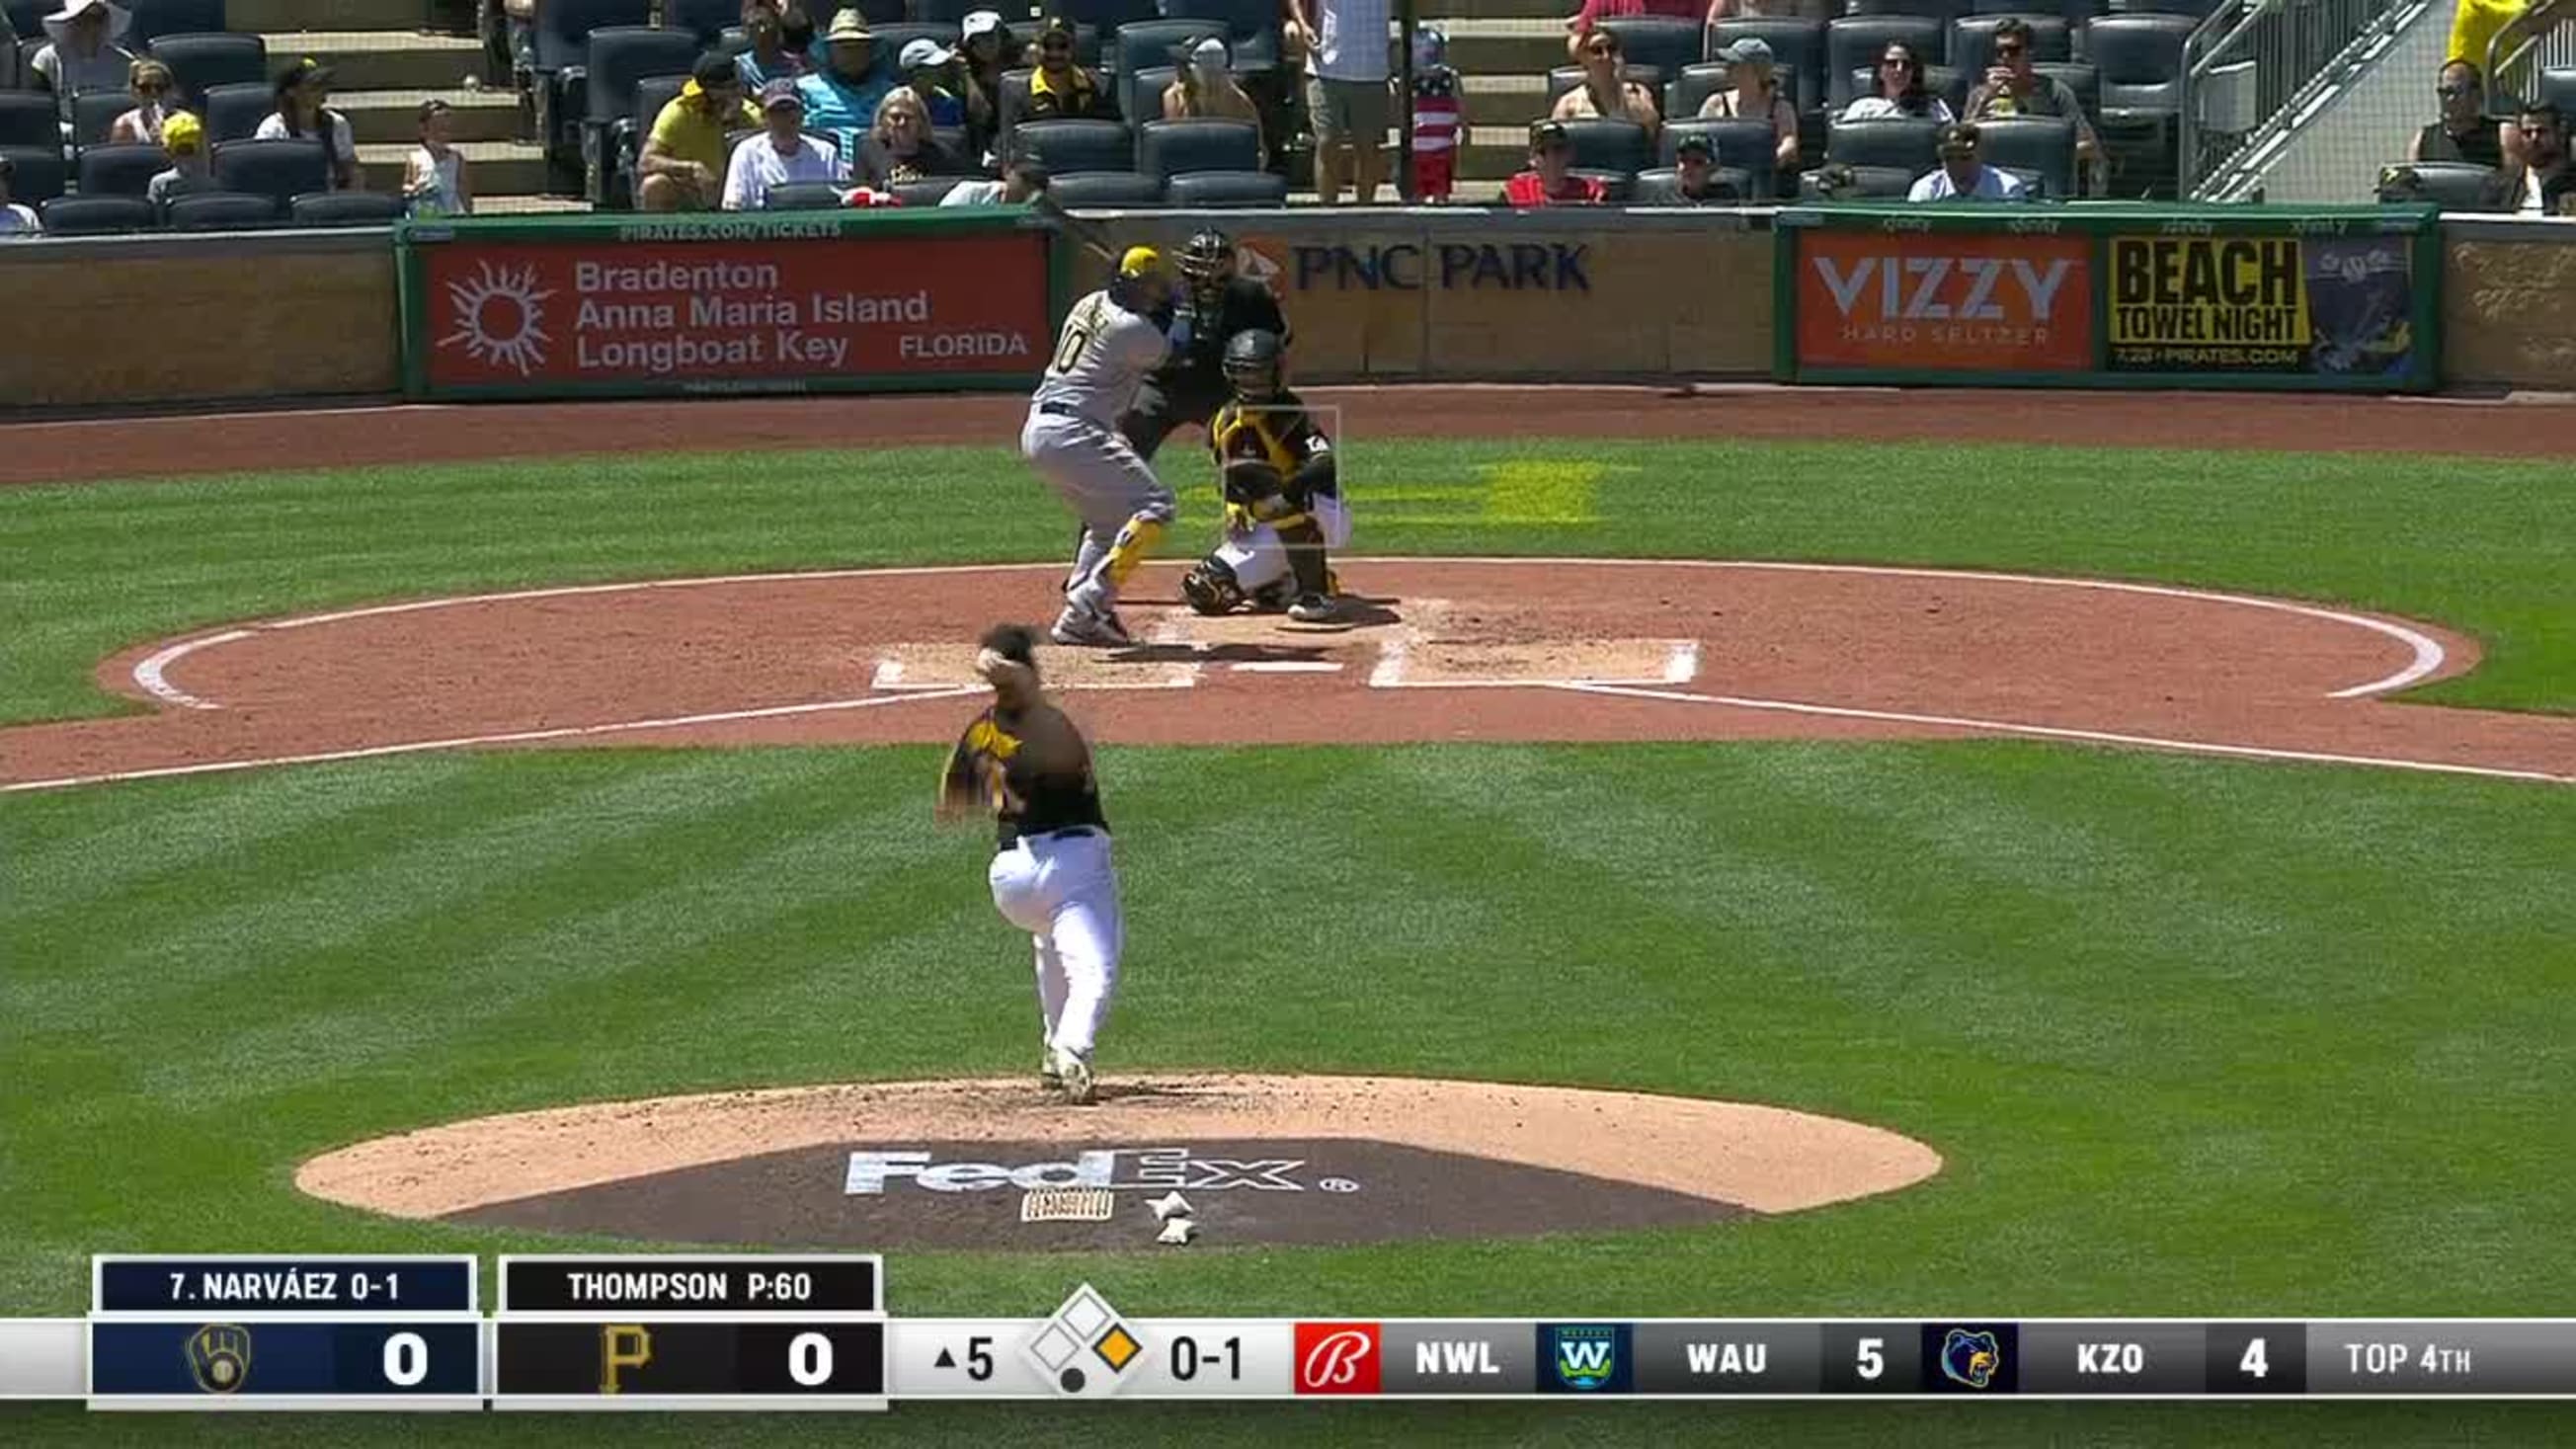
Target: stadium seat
233,112
1101,15
2557,87
1143,43
652,93
1948,82
119,170
1140,93
929,191
952,11
620,58
274,169
197,61
2073,12
94,114
1972,41
2041,145
2450,185
1165,149
1604,145
1797,49
708,20
1687,91
1227,188
562,58
802,196
98,215
2140,59
1566,77
1908,146
30,118
1662,186
2084,80
1252,27
345,208
154,19
1105,189
1745,145
1932,9
2193,9
1615,185
221,211
1066,146
39,172
1855,42
1661,41
1867,183
27,17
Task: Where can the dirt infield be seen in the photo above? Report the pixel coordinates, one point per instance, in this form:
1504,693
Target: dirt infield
55,452
1435,649
1256,1160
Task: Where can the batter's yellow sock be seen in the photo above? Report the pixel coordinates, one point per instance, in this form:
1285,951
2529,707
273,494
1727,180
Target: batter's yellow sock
1137,539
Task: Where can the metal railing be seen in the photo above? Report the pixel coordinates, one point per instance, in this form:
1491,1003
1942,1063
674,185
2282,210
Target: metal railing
2255,69
2540,38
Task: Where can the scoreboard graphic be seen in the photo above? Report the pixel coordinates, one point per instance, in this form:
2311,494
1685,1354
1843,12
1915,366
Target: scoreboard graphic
811,1332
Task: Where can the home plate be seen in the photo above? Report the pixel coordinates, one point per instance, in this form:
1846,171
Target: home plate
902,667
1569,661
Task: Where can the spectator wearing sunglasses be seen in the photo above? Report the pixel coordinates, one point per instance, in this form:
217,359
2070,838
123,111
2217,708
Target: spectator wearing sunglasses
151,85
1579,26
1898,93
2014,87
2463,133
1606,91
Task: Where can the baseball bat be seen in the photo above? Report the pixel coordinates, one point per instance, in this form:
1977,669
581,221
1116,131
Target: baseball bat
1090,235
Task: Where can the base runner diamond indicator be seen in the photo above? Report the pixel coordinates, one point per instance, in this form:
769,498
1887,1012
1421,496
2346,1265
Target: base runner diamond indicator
1084,1347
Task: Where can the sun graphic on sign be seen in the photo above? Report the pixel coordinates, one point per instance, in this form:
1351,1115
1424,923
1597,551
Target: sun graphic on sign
498,317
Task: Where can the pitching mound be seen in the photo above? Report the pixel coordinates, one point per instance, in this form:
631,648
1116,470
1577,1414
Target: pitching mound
1000,1166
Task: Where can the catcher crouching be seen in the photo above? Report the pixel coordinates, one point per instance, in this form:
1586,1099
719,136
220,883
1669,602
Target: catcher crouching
1283,503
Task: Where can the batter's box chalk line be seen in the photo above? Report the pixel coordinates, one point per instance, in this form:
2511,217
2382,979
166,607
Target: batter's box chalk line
1400,659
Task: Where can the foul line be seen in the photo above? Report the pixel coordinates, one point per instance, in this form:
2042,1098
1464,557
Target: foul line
2059,732
507,737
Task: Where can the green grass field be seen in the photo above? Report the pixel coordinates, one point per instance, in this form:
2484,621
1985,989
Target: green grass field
2195,1037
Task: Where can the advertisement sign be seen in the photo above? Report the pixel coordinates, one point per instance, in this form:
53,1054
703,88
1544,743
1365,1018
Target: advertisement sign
2327,304
2117,295
1943,301
793,303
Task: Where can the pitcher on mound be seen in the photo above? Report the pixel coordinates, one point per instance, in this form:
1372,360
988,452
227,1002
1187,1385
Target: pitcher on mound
1112,341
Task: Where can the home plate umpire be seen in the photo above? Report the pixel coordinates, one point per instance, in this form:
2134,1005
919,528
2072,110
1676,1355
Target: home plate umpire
1215,306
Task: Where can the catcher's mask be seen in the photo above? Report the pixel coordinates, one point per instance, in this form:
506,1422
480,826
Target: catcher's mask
1252,364
1207,261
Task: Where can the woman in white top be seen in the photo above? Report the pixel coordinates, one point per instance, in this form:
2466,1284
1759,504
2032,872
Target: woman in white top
301,89
84,56
434,175
1606,90
1897,92
151,84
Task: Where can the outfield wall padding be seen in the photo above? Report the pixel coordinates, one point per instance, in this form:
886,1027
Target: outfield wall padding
2510,303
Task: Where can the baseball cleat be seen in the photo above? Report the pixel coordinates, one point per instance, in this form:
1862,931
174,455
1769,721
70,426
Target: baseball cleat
1048,1077
1098,629
1313,609
1074,1070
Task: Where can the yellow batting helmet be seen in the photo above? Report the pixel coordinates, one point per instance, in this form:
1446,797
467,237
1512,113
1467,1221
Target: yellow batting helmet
1140,262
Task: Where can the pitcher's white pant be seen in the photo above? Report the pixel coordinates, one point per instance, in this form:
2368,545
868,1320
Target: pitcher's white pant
1259,559
1063,890
1092,468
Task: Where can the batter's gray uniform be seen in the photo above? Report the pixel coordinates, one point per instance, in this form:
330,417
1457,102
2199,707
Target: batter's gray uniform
1102,358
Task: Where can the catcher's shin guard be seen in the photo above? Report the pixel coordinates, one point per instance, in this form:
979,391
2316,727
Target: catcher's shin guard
1305,544
1211,587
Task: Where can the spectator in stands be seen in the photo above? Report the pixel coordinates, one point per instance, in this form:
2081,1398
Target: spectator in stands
1756,95
1348,95
2545,183
928,72
1897,93
1606,91
150,83
841,98
83,55
1059,90
1963,174
900,148
985,52
1695,178
783,153
2463,133
1707,12
434,181
1022,184
1439,117
183,142
300,92
2014,87
16,221
683,162
1550,179
1205,87
770,57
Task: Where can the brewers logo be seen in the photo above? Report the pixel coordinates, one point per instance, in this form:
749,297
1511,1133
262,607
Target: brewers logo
1586,1358
1971,1357
219,1358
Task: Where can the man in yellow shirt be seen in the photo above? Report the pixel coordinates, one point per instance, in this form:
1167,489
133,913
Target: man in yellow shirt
683,164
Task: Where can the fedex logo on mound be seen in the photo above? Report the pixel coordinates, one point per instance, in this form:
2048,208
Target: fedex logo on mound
1337,1358
872,1173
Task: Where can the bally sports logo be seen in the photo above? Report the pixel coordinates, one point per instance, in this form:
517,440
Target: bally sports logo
873,1172
1337,1358
1936,301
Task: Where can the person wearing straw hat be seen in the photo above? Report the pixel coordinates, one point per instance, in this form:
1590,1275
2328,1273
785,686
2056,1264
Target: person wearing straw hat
183,142
301,90
841,98
84,54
